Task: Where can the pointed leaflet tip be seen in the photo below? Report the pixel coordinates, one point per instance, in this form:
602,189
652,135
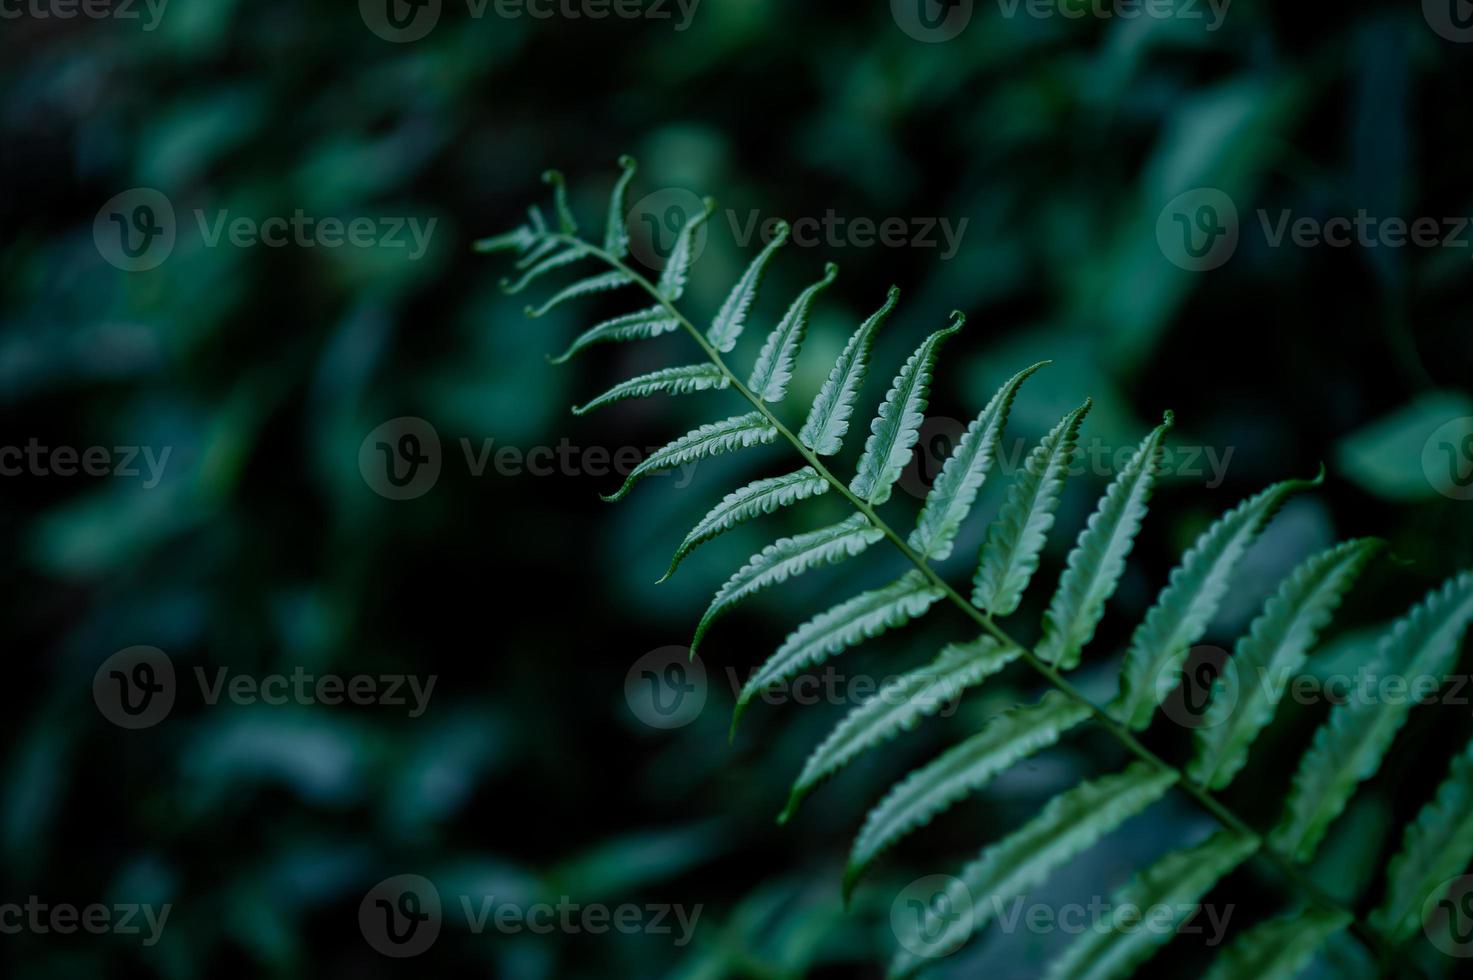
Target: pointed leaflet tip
553,177
627,163
958,319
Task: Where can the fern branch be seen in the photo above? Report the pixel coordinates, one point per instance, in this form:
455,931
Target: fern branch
1283,865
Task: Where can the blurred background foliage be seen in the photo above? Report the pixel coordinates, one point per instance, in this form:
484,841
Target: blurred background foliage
263,550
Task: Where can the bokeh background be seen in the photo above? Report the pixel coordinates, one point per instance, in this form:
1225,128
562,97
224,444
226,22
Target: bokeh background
263,549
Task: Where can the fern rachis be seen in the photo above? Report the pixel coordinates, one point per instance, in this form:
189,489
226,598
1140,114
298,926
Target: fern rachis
1180,615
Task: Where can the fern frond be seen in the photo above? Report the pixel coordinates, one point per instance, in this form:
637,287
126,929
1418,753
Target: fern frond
737,432
732,317
1095,565
682,380
566,222
1176,883
616,234
1009,555
787,557
835,630
677,266
774,367
1436,847
894,431
1348,747
1278,949
753,500
828,419
519,239
1269,656
640,325
963,473
964,768
539,252
1067,826
898,707
601,283
1190,600
553,262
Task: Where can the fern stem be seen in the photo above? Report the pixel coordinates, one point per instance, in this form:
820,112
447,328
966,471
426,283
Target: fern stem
1199,793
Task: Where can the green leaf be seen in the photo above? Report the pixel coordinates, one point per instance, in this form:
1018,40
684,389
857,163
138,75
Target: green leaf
1068,825
964,768
962,475
898,707
566,222
732,316
894,431
519,239
601,283
1278,949
835,630
675,381
787,557
774,367
737,432
1009,556
1174,885
1098,559
1348,747
1190,600
542,267
640,325
677,267
753,500
616,235
1437,846
828,419
1270,655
